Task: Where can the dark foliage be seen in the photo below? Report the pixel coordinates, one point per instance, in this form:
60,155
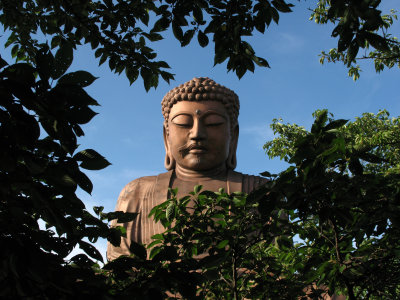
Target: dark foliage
41,218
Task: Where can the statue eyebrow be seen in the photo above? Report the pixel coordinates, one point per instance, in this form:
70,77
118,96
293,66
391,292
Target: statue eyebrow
213,112
181,113
201,114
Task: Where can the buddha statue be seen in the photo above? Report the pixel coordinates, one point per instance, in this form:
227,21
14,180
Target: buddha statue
201,133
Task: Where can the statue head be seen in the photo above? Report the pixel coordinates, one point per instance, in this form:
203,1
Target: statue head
200,126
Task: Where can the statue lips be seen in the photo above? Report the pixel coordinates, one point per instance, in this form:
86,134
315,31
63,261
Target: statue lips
193,149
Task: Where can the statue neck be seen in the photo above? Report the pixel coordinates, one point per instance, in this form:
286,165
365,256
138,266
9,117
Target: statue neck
191,175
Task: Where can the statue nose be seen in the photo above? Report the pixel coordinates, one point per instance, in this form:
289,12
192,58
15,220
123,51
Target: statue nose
198,131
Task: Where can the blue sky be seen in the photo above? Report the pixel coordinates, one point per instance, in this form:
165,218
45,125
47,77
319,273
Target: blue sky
128,129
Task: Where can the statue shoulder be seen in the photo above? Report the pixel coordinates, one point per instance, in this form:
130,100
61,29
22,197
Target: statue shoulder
138,183
141,187
249,182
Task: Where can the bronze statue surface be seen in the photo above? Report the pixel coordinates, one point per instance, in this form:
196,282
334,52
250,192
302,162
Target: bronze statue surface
200,137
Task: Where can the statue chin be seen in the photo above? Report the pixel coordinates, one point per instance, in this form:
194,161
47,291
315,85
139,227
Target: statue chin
200,164
200,169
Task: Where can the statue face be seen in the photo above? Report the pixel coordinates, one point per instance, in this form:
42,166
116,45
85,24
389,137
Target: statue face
199,137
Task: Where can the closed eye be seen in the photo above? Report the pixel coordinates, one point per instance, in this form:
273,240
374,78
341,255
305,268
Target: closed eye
183,125
214,120
214,124
184,121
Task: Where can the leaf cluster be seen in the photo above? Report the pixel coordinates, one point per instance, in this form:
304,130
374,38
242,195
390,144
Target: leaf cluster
359,25
342,194
218,246
120,31
41,218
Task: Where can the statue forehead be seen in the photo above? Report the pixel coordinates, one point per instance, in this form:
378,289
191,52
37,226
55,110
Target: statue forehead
198,107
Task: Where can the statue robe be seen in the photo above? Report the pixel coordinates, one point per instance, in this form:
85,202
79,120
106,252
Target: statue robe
142,194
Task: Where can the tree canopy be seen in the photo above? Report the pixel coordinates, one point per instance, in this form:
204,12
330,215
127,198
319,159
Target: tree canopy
121,32
360,25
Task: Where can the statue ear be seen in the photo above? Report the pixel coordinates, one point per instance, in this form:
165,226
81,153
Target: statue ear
169,162
231,161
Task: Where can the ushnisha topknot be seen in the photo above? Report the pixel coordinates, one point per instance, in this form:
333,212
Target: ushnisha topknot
202,89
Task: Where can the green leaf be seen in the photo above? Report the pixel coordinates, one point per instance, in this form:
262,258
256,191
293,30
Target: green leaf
372,158
281,6
177,30
335,124
154,37
14,51
91,160
170,212
217,216
81,78
173,192
153,243
275,15
22,73
44,63
158,236
63,60
222,244
83,181
167,253
3,63
138,250
212,274
103,59
114,236
352,52
377,41
167,76
240,71
202,39
90,250
197,188
163,64
55,41
345,40
67,181
161,24
98,209
239,201
122,217
132,73
154,252
82,260
144,17
355,166
320,121
194,250
266,174
284,242
261,61
187,37
147,76
81,115
98,52
197,14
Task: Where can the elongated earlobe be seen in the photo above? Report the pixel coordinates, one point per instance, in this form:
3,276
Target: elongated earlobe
169,162
231,161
